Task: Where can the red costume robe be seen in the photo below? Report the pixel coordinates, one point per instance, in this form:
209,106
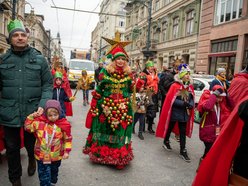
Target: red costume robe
215,167
163,123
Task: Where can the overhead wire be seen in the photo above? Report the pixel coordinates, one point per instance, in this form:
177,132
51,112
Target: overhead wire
82,38
73,18
57,15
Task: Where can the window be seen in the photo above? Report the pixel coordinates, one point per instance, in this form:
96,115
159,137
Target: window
156,5
165,2
164,31
190,22
198,85
121,23
227,10
175,27
224,46
142,13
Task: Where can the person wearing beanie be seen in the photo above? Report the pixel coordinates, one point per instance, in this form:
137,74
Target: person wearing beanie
213,110
220,79
177,114
58,67
151,84
110,116
59,92
26,85
53,140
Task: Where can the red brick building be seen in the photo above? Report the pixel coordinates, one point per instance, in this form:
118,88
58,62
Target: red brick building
223,36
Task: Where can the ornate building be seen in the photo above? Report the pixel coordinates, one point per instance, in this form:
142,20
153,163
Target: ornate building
223,37
173,31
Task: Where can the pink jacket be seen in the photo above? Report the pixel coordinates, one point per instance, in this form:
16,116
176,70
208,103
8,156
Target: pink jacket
207,131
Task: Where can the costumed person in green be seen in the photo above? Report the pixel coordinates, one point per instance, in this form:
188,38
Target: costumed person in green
25,86
110,116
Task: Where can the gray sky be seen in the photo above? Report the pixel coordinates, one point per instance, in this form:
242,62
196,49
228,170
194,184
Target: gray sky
74,33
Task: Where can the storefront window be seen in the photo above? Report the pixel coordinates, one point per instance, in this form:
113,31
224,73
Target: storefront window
224,46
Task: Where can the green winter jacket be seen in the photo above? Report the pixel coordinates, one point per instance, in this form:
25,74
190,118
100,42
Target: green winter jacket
25,84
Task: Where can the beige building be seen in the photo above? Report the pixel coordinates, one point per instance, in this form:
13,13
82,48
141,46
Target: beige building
223,37
173,31
111,19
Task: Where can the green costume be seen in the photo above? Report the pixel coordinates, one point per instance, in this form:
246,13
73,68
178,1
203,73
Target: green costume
109,139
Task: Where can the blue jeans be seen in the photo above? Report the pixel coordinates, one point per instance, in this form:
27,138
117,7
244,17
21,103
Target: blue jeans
48,173
141,118
86,95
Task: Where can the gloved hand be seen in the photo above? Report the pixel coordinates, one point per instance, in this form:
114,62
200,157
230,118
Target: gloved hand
72,98
187,105
218,92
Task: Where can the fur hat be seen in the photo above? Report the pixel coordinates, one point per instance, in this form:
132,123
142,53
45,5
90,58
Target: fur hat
53,104
220,70
15,26
183,70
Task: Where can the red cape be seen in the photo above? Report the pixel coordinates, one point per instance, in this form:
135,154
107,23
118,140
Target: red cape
164,119
238,88
67,88
61,123
215,167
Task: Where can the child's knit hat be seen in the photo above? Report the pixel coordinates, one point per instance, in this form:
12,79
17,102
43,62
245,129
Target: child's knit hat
52,104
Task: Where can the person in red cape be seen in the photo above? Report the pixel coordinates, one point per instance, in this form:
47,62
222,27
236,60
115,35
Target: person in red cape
230,148
110,116
178,111
65,86
53,141
238,88
214,110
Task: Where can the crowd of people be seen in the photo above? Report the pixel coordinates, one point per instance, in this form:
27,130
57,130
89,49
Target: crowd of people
35,101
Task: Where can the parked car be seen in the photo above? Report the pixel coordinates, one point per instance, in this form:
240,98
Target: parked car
201,83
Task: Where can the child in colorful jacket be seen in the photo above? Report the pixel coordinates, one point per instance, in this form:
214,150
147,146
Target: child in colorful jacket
53,141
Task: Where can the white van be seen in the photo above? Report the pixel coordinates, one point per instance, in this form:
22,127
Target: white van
75,69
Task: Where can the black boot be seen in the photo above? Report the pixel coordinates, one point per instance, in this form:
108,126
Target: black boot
1,161
31,166
17,183
140,136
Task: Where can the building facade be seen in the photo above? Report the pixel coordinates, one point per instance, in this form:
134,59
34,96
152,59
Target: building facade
173,31
223,36
111,19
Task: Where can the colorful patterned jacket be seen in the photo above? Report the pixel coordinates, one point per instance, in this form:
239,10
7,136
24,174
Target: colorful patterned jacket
61,142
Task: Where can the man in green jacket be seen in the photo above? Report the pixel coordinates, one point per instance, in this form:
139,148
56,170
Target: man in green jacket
25,86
